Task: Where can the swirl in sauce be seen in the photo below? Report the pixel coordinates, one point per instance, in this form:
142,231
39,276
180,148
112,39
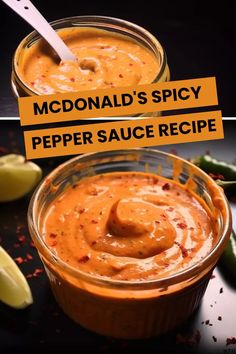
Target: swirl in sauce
129,226
105,60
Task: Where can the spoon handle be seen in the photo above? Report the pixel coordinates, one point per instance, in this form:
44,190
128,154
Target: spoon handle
29,13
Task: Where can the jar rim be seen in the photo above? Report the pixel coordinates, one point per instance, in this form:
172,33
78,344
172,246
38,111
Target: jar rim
94,19
172,279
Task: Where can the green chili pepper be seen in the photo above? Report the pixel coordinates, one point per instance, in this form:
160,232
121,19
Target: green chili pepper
228,171
228,258
212,165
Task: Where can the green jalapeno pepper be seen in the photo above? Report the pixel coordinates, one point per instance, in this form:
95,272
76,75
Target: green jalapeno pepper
214,166
228,258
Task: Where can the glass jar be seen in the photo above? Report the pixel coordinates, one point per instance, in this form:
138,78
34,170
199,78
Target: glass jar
128,309
118,26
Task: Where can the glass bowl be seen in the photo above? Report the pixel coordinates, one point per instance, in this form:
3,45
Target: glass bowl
128,309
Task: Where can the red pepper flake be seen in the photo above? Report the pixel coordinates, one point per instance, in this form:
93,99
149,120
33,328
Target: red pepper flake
32,83
183,250
94,243
214,339
32,245
29,276
37,272
21,239
90,79
81,210
131,64
52,235
93,192
181,225
231,340
166,187
170,209
28,256
157,222
221,290
121,76
19,260
83,259
81,226
72,79
219,318
216,176
144,62
94,221
53,243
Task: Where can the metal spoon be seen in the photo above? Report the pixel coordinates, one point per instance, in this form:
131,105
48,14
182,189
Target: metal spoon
29,13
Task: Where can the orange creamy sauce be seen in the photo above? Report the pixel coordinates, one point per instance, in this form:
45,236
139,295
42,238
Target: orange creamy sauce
105,60
129,226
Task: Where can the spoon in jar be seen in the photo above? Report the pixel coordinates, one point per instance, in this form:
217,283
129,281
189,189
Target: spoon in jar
29,13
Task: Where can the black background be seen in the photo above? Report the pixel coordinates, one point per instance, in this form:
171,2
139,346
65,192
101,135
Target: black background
198,36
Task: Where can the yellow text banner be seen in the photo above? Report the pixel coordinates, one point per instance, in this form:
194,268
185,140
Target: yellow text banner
123,101
123,134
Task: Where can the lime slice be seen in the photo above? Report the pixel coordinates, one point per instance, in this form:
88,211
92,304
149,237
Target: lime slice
17,177
14,289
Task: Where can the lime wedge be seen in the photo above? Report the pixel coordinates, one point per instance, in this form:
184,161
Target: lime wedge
17,177
14,289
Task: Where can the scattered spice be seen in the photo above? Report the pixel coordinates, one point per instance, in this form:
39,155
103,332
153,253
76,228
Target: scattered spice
52,235
231,340
94,221
21,239
181,225
221,290
53,243
29,257
19,260
216,176
219,318
72,79
170,209
81,210
214,339
84,259
183,250
35,274
213,276
121,76
166,187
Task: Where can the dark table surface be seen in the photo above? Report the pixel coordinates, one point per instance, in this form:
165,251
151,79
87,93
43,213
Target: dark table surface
43,325
199,38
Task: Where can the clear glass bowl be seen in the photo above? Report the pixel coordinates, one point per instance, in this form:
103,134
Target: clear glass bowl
133,31
127,309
